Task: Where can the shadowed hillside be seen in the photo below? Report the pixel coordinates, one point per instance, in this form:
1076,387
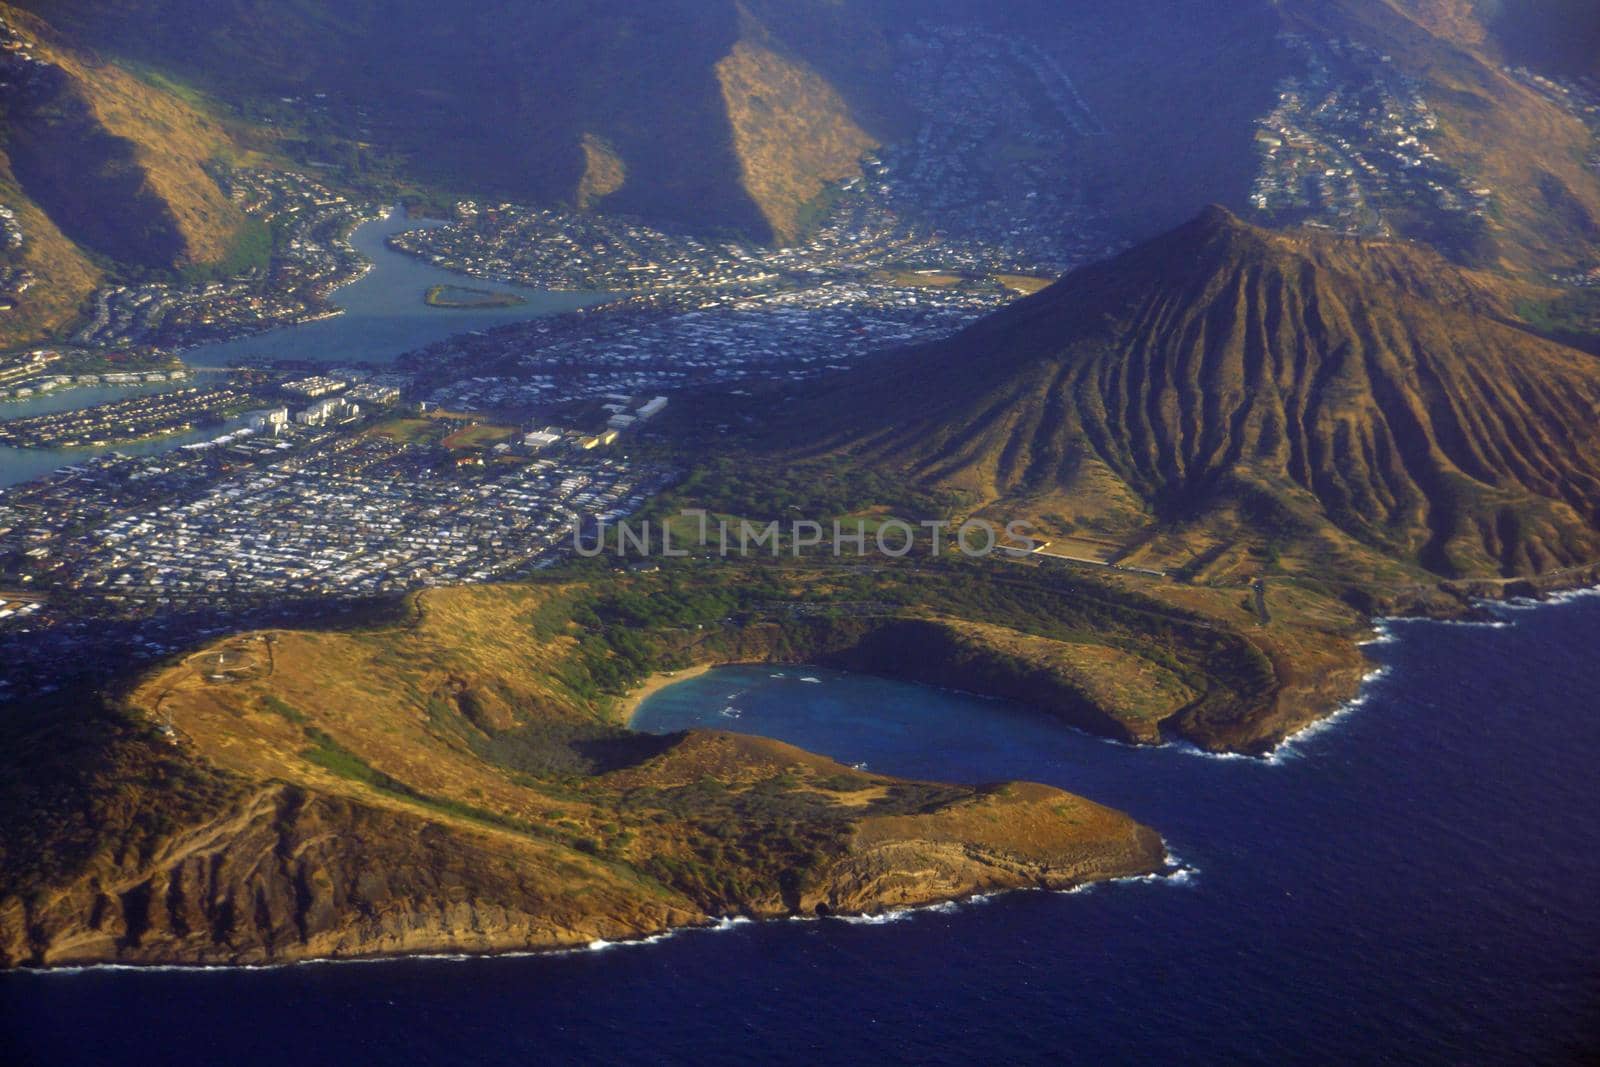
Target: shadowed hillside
63,275
736,115
98,163
1560,35
709,113
1297,387
1508,137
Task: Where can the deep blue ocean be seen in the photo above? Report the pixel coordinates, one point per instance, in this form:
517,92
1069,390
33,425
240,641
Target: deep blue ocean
1418,882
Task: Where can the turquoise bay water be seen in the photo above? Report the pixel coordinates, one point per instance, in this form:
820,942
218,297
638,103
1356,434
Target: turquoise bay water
1413,884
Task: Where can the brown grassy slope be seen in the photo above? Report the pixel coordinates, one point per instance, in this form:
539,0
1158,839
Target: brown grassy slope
720,114
1309,383
603,172
65,277
1454,20
115,162
399,791
792,131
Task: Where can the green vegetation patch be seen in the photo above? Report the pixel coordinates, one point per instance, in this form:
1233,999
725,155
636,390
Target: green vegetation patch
328,754
1572,319
467,298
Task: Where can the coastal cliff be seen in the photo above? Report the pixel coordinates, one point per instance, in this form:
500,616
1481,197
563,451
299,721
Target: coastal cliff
437,787
290,874
460,779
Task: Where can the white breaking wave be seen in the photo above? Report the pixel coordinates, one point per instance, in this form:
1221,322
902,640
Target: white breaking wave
600,944
1523,603
1186,876
876,920
1569,595
1286,749
1382,634
813,681
945,907
1189,748
1175,872
721,925
1383,629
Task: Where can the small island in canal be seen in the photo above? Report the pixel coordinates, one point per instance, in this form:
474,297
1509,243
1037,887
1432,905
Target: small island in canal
464,297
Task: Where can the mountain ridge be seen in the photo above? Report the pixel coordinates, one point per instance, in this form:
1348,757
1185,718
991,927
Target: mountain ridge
105,169
1356,392
712,115
737,116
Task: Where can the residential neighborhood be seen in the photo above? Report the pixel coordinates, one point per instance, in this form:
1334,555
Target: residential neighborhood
1349,148
312,257
290,509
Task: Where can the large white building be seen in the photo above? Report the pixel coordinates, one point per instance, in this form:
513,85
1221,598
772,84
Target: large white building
266,419
324,410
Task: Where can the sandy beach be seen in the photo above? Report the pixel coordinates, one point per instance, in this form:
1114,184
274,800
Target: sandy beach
653,685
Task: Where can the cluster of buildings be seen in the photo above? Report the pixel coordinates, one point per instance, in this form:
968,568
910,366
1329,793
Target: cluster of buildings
312,509
650,345
330,399
17,609
330,411
1587,278
625,415
10,231
28,374
29,371
360,521
126,420
314,386
148,553
354,383
912,250
925,241
989,169
1347,149
308,401
948,199
14,281
1578,96
312,256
